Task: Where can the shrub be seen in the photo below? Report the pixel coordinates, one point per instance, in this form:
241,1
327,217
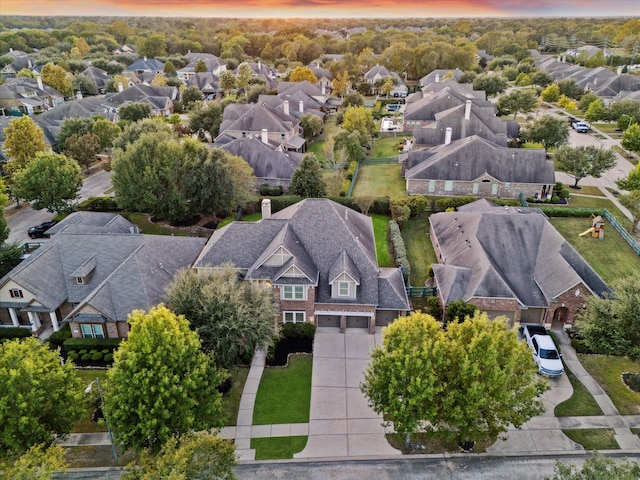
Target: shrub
108,357
400,212
100,204
90,343
14,332
85,357
298,330
399,250
434,308
73,355
345,188
270,191
351,170
97,356
569,212
83,351
580,346
59,337
282,202
453,202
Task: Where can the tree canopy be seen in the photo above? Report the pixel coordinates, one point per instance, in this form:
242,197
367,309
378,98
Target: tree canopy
134,112
307,180
358,118
23,139
232,317
580,162
467,381
631,138
83,149
206,118
50,181
161,384
56,77
598,467
40,397
547,130
519,100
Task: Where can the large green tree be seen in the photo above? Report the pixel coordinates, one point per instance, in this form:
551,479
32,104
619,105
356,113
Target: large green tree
632,203
40,397
39,462
73,126
581,162
161,384
519,100
106,132
23,139
547,130
134,131
134,112
57,78
300,74
491,83
200,455
467,381
206,119
232,317
631,181
83,149
631,138
598,467
307,180
612,325
358,118
50,181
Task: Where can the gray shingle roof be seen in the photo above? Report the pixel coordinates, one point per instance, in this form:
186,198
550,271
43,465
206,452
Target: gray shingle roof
92,222
324,230
470,158
505,254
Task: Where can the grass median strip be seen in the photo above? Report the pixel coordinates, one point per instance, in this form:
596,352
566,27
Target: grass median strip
380,227
581,403
284,394
594,438
274,448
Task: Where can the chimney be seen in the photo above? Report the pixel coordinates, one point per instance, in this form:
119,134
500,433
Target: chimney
301,106
266,208
265,137
79,95
39,79
145,58
259,66
324,92
286,107
10,49
447,135
29,63
120,87
467,110
437,77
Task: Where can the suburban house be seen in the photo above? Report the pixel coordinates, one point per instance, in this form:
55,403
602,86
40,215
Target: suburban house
245,120
126,49
439,75
207,83
160,98
270,167
319,257
324,76
379,74
92,273
299,103
100,77
28,96
215,65
21,60
512,262
145,65
262,72
478,167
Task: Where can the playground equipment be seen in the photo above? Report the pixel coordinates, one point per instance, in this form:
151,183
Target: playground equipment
597,227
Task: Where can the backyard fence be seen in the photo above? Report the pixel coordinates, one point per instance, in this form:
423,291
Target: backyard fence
421,291
633,243
523,201
380,160
353,179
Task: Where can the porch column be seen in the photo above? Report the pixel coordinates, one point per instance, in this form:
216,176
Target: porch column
343,323
14,317
35,321
372,324
54,321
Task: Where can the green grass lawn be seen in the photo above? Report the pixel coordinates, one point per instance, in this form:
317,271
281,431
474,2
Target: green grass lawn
330,128
419,249
380,223
284,394
380,181
386,147
231,399
150,228
606,370
273,448
580,403
611,257
85,424
594,438
586,190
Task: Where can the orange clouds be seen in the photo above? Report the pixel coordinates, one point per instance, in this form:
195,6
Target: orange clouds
322,8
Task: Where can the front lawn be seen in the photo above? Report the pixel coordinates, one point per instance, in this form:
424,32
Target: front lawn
380,226
273,448
380,180
611,257
607,371
284,394
594,438
581,403
585,190
419,249
85,424
231,399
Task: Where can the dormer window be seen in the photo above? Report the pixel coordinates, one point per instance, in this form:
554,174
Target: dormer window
15,293
343,289
79,281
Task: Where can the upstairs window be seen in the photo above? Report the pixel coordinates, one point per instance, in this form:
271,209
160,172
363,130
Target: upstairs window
294,292
15,293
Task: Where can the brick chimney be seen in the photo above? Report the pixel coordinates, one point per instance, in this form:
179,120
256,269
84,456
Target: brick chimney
265,136
266,208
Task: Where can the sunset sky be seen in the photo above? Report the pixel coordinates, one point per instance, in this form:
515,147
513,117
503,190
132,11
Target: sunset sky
324,8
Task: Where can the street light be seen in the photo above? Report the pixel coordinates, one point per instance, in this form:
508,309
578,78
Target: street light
88,390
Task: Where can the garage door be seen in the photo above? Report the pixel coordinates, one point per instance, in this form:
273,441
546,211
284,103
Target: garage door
357,322
384,318
329,321
531,315
500,313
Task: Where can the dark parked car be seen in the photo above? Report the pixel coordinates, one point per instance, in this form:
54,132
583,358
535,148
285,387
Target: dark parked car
39,230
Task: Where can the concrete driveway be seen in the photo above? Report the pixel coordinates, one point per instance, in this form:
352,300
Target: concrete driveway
341,424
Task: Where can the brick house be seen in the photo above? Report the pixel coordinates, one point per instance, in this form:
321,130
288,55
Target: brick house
480,168
319,257
92,273
510,262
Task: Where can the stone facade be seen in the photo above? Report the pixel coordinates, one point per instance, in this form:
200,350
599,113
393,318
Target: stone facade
487,187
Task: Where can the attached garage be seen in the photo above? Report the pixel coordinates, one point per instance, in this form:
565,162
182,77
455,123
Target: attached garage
532,315
357,322
328,321
385,317
501,313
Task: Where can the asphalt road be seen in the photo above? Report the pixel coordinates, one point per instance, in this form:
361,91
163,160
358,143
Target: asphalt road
19,222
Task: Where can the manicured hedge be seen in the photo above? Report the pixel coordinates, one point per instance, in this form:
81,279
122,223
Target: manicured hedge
453,202
100,204
569,212
58,338
297,330
14,332
91,343
399,250
270,191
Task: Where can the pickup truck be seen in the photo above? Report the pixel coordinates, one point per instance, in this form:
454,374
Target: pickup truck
580,127
544,351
